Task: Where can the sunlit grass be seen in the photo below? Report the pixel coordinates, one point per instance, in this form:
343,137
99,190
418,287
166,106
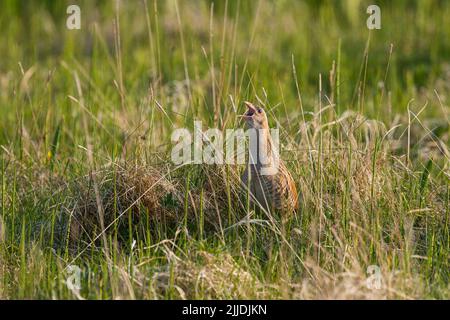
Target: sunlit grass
87,180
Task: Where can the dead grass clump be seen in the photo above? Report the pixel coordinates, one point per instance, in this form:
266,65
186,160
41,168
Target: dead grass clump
154,193
149,188
208,276
137,191
223,196
356,284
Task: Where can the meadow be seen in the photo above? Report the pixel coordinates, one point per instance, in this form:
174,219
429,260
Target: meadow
90,196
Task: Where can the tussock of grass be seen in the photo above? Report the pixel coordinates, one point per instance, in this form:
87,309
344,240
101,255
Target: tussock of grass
125,192
210,276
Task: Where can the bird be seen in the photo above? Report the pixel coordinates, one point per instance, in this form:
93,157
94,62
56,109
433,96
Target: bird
274,189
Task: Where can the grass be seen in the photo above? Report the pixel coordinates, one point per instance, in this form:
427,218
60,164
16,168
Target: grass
86,121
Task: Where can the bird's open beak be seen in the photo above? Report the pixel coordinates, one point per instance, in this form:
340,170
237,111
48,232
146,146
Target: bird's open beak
251,109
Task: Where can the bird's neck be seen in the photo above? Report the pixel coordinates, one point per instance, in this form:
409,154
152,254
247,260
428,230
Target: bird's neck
265,149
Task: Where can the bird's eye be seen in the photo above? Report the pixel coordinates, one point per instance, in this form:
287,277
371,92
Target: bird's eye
259,110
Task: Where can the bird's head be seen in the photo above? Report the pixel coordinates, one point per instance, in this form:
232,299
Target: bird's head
255,117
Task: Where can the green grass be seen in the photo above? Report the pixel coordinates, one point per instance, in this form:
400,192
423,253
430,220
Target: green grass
86,121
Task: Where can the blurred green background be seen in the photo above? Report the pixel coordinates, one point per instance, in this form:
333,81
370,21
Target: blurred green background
199,59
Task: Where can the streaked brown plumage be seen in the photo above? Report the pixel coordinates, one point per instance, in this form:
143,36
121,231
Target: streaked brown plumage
271,191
